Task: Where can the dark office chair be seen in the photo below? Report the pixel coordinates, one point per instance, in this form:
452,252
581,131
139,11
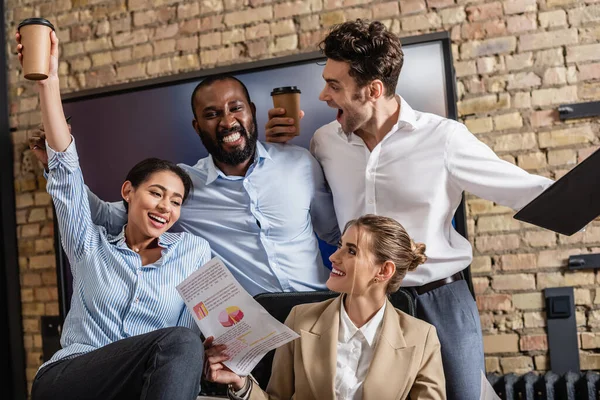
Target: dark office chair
279,306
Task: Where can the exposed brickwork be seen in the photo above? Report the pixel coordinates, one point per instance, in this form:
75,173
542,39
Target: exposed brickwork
516,60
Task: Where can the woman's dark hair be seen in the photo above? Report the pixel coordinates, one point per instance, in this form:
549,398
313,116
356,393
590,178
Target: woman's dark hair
144,169
370,49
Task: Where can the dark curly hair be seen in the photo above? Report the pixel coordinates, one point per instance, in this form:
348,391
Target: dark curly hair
372,51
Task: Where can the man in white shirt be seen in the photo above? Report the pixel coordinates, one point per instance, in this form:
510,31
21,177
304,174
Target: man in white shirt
380,156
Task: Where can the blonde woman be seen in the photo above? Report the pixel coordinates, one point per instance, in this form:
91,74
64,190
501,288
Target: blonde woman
356,346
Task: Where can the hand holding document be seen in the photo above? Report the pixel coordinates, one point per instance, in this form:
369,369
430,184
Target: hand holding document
223,309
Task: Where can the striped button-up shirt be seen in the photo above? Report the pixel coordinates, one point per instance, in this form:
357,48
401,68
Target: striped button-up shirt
114,295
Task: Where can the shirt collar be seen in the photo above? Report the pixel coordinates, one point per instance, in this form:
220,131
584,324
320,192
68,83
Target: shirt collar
407,118
369,330
165,240
213,172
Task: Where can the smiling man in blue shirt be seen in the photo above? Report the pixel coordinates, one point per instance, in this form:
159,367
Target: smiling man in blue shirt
257,204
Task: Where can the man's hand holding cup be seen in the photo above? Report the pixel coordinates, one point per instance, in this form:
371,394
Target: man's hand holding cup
284,117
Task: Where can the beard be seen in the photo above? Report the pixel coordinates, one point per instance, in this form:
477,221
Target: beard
353,121
354,115
236,156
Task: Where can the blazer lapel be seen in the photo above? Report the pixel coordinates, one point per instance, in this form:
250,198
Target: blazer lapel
319,352
389,371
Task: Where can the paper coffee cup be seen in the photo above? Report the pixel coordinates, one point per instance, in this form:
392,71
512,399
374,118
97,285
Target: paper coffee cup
288,97
35,38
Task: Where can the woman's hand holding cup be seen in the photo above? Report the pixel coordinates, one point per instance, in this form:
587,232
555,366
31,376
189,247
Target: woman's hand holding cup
34,68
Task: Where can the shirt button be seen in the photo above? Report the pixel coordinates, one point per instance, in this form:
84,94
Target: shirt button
137,299
371,201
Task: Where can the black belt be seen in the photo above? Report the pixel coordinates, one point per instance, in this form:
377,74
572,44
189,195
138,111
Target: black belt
439,283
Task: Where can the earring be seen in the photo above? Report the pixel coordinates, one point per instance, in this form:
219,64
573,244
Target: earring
127,199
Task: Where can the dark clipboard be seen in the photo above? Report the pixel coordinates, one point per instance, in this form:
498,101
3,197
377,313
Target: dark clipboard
570,203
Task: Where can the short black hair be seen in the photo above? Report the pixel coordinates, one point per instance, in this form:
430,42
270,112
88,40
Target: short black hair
370,49
142,171
217,78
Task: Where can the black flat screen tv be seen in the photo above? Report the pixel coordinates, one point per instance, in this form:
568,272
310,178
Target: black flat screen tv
153,118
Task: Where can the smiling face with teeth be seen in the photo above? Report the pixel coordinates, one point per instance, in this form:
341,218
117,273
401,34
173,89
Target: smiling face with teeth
154,205
353,265
225,120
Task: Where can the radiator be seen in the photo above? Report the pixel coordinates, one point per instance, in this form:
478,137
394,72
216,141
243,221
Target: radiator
550,386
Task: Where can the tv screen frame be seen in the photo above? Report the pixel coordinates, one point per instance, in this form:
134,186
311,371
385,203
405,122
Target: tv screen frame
63,273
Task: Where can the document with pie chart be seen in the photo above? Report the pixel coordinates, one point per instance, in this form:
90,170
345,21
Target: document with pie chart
230,316
223,309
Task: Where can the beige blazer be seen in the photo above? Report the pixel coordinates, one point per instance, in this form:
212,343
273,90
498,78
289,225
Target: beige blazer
407,362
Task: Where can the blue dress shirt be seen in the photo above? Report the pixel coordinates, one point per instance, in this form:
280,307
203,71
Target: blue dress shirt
114,296
260,225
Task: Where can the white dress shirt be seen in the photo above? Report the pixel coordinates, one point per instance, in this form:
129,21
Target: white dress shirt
417,175
355,351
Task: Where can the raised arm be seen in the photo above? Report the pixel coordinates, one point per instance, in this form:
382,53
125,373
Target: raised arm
65,181
53,119
65,184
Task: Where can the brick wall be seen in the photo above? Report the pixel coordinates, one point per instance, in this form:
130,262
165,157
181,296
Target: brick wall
515,61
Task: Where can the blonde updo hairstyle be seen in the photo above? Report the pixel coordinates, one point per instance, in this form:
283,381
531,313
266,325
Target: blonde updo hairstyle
387,240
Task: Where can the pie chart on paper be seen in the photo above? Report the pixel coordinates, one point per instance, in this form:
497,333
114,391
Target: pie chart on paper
230,316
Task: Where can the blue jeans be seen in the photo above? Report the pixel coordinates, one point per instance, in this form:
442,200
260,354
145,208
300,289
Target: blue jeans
165,364
452,310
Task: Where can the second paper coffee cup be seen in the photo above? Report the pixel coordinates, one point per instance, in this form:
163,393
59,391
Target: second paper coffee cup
35,38
288,97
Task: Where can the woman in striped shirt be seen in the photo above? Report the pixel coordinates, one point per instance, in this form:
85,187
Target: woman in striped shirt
128,333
